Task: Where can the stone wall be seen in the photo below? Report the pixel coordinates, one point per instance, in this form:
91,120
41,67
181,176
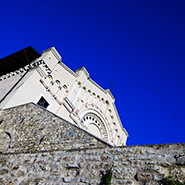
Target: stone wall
130,165
37,147
29,128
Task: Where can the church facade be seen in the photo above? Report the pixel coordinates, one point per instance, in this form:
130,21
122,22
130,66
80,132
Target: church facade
27,76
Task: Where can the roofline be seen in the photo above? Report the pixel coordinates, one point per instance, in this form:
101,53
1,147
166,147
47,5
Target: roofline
29,47
18,60
77,71
55,53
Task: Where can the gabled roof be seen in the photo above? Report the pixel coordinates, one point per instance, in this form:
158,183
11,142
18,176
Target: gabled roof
18,60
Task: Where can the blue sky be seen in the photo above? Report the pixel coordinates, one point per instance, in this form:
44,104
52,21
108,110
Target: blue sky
136,48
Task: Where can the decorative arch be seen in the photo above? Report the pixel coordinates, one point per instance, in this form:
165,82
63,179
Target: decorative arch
55,86
57,82
63,92
95,122
48,80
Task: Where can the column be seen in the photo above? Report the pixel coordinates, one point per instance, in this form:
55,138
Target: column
89,98
82,100
100,103
72,90
55,86
77,95
64,92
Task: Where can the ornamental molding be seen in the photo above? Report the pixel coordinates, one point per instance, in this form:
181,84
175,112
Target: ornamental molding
82,69
55,53
28,67
92,118
104,124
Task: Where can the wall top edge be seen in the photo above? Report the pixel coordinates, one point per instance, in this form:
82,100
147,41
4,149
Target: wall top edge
33,104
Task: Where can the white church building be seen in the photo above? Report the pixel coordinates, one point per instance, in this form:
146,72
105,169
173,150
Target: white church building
27,76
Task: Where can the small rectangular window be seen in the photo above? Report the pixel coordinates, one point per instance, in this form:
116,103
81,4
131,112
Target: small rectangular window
43,103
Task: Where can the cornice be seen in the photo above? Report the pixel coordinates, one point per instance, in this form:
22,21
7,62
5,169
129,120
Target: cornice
55,53
68,69
33,65
119,120
19,71
84,70
109,92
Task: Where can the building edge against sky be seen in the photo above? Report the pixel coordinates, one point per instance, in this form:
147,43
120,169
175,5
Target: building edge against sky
27,76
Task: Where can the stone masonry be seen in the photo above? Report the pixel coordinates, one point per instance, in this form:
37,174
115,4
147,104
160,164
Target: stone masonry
30,128
37,147
130,165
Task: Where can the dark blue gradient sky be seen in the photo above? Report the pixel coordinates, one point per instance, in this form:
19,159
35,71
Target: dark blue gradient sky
136,48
